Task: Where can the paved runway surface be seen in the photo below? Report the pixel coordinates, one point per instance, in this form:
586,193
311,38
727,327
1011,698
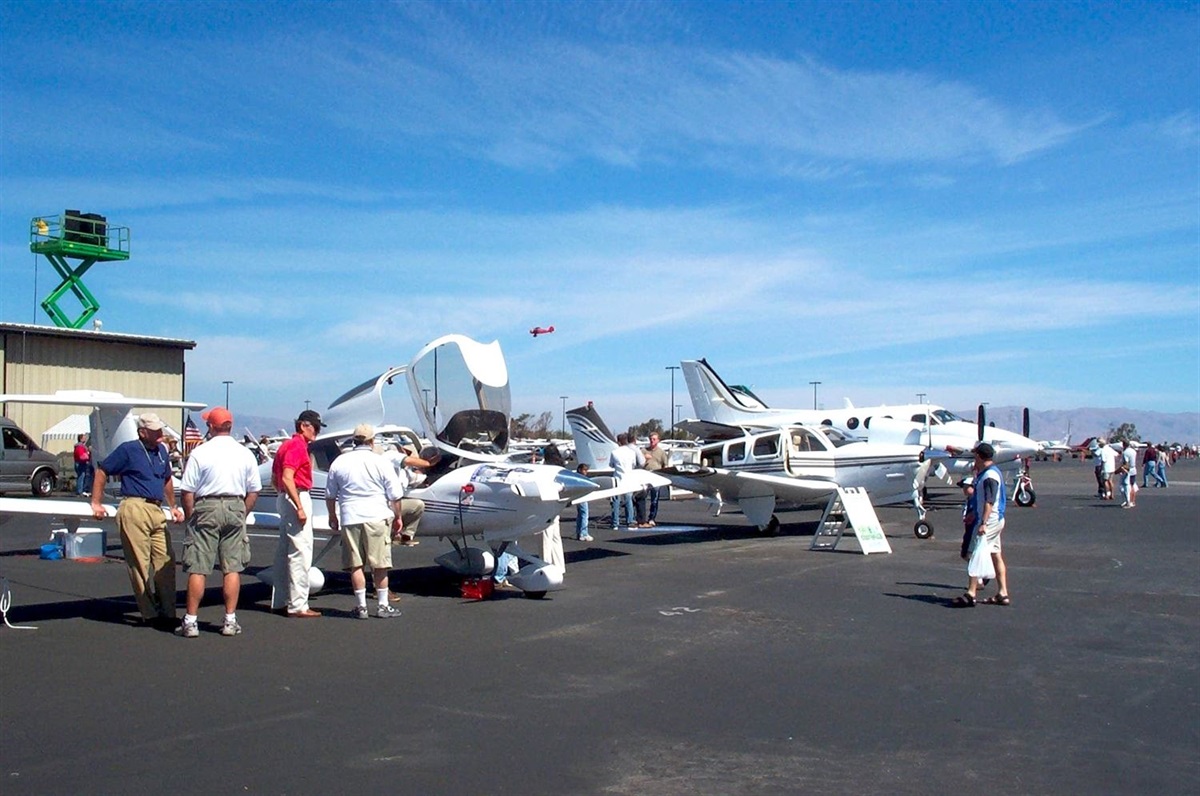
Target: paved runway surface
708,661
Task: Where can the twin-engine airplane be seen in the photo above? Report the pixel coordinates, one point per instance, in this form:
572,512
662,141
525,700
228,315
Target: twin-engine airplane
761,466
459,388
933,427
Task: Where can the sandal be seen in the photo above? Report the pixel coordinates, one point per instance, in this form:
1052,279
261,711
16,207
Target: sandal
998,599
963,601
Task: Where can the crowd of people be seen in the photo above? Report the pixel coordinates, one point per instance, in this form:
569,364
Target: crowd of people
219,487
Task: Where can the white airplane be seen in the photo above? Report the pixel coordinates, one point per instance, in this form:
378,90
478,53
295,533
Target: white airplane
934,427
459,388
112,422
760,466
1056,447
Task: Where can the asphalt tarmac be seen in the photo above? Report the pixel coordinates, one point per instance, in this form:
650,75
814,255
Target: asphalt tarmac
703,661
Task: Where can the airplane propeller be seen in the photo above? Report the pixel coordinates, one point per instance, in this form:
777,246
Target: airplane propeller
981,421
1025,421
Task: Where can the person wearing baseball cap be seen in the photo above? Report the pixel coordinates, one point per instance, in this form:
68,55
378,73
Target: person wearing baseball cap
144,466
219,488
291,472
988,507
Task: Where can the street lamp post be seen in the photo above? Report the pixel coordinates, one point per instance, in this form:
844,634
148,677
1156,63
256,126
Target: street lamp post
227,383
564,398
672,368
307,403
814,386
920,397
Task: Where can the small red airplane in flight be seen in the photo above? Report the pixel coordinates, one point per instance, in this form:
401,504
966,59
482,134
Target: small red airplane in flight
535,331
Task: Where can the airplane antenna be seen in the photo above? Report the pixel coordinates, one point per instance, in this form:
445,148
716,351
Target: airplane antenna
86,238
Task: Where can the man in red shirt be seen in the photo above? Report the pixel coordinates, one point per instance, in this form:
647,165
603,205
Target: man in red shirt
83,466
291,473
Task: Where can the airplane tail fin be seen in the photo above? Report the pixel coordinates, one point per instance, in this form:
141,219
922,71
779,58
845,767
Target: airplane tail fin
594,443
714,400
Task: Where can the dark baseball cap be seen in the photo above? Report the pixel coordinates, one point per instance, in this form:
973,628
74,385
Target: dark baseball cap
309,416
985,450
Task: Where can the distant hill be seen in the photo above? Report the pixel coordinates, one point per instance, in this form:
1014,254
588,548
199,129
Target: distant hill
1052,424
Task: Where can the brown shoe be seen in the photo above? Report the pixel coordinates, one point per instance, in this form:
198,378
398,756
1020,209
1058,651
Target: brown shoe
307,613
393,597
409,541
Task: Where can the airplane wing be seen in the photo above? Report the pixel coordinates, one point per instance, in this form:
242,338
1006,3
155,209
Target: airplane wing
755,493
632,482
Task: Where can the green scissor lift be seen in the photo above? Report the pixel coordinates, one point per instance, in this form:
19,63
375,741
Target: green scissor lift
85,238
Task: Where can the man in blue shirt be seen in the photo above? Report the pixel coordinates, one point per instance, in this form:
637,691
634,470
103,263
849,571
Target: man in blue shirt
144,467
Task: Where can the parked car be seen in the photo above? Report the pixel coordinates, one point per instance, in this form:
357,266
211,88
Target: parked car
23,465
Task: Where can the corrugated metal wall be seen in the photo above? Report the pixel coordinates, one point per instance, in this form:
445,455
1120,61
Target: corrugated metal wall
36,363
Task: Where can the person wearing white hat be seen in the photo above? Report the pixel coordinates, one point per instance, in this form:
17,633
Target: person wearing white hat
145,470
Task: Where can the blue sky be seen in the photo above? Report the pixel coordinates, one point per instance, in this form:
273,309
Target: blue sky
977,201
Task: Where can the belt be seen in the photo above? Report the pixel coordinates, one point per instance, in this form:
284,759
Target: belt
298,489
221,497
148,500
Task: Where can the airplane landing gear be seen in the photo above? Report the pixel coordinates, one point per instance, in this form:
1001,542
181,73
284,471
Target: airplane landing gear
923,530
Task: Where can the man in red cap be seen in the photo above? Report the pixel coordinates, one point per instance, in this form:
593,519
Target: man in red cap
220,486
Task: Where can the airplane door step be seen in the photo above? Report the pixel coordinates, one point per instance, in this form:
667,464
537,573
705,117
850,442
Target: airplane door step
850,509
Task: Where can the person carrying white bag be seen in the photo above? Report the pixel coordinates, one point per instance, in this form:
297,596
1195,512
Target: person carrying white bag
986,560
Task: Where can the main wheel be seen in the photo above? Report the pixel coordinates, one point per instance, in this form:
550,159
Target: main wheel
535,595
923,530
772,528
42,484
1025,497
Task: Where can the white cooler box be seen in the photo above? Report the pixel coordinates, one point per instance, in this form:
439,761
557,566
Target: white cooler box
84,543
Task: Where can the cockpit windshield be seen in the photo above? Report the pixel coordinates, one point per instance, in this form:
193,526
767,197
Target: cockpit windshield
461,389
944,416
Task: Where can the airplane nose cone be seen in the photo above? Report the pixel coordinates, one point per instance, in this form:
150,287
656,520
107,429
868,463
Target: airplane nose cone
574,485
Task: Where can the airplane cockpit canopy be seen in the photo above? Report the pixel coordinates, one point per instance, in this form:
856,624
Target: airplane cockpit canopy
938,417
460,391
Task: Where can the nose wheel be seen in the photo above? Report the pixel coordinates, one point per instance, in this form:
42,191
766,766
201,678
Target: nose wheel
923,530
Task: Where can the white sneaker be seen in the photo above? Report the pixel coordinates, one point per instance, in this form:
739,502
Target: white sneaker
188,630
587,538
360,612
231,629
387,612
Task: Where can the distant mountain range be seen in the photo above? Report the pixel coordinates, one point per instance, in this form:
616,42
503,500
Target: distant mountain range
1053,423
1048,424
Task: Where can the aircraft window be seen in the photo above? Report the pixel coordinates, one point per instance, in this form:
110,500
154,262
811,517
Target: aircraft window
827,422
736,452
805,440
835,437
323,453
867,423
918,418
852,423
944,416
766,447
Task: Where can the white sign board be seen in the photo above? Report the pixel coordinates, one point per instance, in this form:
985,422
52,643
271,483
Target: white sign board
863,520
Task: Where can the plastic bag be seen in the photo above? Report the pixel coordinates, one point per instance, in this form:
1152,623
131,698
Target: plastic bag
980,565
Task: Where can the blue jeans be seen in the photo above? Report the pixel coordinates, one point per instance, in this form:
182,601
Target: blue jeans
1160,473
630,517
653,502
581,520
1147,473
83,477
501,573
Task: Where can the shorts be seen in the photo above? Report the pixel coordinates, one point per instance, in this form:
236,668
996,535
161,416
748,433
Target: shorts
367,544
217,534
992,537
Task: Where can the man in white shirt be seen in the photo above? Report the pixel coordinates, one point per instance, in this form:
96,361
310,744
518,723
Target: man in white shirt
624,460
1108,465
1129,476
363,495
220,486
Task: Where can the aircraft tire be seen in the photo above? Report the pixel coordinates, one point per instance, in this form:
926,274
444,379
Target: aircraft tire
772,528
923,530
1025,498
535,595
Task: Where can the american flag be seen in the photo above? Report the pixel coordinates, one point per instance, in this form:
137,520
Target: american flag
191,436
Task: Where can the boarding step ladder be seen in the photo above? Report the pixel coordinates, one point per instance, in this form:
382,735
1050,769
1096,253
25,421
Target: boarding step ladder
850,509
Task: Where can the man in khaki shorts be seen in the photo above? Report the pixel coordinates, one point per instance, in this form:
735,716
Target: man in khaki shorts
220,486
363,495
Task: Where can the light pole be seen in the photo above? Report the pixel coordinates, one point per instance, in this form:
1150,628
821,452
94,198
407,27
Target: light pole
920,397
227,383
564,398
672,368
306,405
814,386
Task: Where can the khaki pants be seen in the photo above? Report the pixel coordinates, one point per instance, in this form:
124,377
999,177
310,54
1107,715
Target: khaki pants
411,511
148,555
293,555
